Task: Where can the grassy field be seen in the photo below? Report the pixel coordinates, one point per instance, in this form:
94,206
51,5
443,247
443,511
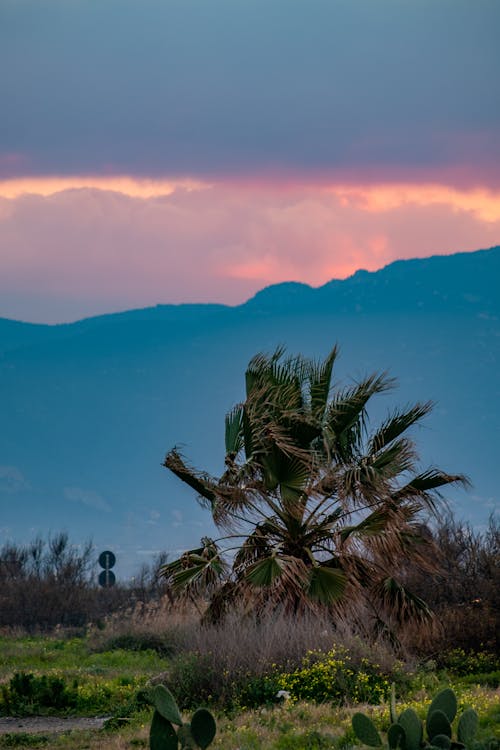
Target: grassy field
105,682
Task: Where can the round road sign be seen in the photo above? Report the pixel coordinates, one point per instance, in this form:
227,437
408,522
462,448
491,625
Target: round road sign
107,560
107,578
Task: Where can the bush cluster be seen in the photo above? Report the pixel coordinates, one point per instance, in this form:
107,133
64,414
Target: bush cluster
466,663
336,675
27,694
333,676
53,583
465,592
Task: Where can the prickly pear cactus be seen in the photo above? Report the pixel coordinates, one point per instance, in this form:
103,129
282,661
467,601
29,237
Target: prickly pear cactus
165,704
446,702
203,727
407,731
396,737
197,735
467,726
392,705
442,741
365,730
413,729
438,724
162,735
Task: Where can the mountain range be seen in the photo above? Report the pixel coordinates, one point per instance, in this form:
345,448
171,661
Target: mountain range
89,409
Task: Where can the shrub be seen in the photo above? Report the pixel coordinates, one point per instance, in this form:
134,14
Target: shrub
464,663
238,662
49,584
141,642
195,679
333,676
465,593
26,694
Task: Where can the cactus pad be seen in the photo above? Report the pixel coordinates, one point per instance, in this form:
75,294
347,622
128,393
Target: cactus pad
365,730
165,704
446,702
467,726
413,729
203,727
162,735
396,736
438,723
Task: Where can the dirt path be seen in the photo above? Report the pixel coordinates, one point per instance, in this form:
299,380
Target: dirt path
48,724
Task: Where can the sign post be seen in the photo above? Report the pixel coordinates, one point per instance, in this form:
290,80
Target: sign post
106,577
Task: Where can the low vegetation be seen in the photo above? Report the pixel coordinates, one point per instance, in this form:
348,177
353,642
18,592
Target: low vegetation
320,690
51,583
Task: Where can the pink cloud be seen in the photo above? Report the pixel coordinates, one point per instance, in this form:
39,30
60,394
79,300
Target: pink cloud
84,251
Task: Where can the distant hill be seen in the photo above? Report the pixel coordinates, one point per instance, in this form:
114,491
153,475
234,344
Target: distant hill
89,409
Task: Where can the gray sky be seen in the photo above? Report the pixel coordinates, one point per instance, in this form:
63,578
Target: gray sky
199,87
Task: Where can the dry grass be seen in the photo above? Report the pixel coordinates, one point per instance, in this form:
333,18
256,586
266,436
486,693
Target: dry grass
243,641
236,661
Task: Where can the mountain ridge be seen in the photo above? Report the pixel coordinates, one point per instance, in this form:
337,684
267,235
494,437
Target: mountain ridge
489,259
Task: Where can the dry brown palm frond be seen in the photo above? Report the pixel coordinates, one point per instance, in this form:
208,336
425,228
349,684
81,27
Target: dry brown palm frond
201,482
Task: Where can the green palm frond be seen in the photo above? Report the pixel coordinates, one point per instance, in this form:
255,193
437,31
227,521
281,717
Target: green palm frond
234,437
188,577
431,480
197,569
264,572
373,524
246,426
320,378
277,436
326,585
265,368
396,424
359,483
291,476
348,404
395,459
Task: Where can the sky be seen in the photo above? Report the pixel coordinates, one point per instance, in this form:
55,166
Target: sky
168,151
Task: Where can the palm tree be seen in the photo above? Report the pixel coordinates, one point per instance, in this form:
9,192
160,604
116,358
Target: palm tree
317,510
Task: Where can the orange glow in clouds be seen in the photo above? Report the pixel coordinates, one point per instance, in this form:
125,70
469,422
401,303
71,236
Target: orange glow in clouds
378,198
136,188
117,242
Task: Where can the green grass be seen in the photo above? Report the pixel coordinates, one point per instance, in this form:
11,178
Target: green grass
107,681
72,657
103,682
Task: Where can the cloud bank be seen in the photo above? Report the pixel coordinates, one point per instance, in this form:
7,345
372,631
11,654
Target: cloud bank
86,251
